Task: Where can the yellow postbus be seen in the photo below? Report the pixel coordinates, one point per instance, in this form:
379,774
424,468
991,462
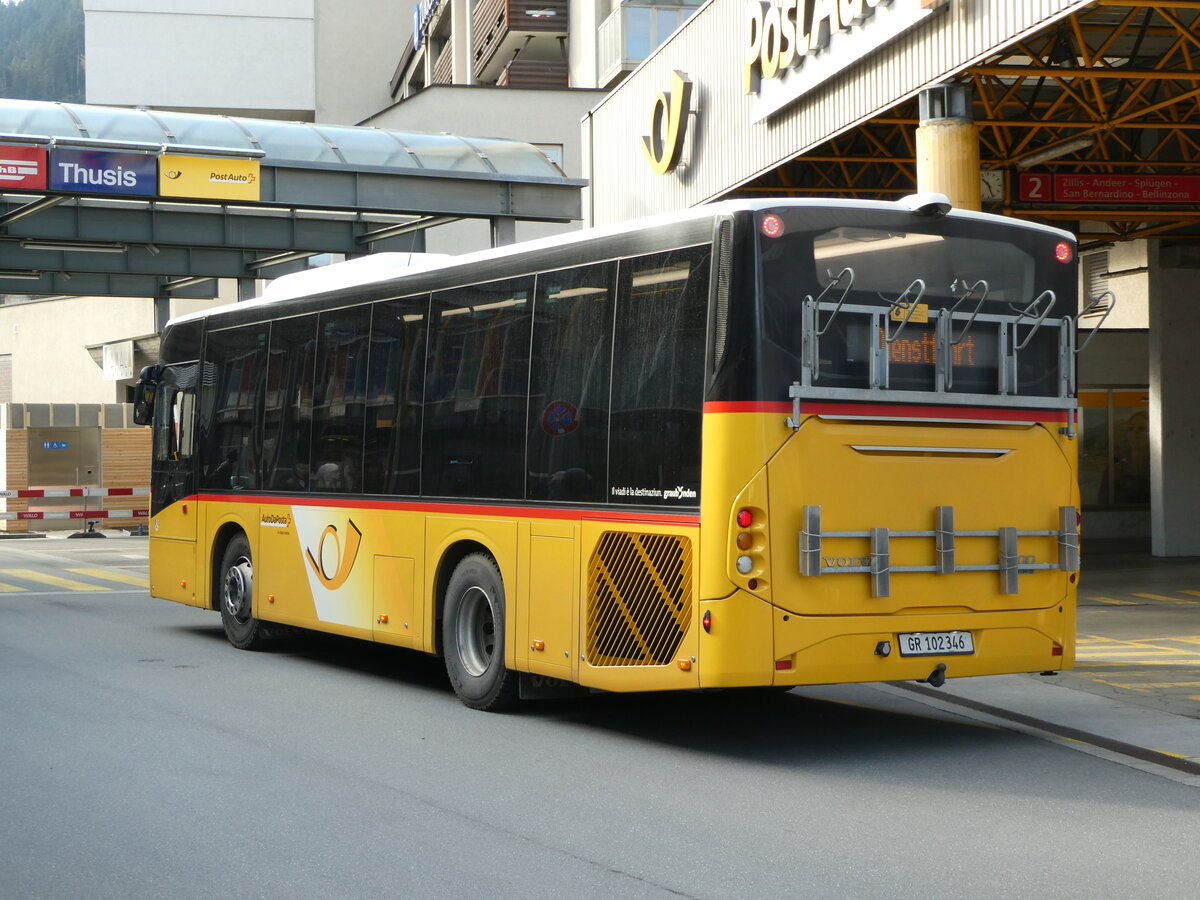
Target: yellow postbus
756,443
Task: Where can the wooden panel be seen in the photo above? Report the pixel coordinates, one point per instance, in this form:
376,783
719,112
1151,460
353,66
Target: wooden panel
17,463
125,454
495,20
535,73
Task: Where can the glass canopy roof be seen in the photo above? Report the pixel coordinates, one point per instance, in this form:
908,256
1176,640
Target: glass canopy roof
275,143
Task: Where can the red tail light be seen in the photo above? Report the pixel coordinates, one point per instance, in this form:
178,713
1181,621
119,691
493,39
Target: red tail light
745,518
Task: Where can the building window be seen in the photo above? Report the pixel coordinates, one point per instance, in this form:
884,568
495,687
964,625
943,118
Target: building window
1114,450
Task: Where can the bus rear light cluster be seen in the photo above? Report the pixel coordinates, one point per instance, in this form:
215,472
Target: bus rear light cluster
750,541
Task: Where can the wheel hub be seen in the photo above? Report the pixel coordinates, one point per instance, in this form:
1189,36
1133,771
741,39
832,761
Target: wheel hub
238,583
476,631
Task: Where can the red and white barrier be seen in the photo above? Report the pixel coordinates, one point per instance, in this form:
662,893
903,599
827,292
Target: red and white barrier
35,493
79,514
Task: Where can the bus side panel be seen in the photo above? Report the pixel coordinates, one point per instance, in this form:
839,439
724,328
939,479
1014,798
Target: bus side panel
174,566
736,447
737,649
640,613
551,627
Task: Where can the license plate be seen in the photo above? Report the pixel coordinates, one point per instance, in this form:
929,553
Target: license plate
936,643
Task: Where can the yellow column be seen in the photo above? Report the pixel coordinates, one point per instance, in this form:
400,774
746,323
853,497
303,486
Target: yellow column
948,146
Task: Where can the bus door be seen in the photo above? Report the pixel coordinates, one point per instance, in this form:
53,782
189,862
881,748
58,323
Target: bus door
173,506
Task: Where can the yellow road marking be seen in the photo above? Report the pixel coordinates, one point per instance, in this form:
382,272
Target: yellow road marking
1163,599
1114,601
1138,662
53,580
110,575
1193,593
10,588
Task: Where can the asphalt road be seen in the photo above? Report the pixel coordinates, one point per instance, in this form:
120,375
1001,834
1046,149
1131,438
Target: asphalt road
141,756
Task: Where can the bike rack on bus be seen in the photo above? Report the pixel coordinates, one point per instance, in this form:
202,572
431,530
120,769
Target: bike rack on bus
945,332
1009,563
811,329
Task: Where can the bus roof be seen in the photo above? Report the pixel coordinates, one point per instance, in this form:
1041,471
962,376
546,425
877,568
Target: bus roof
371,270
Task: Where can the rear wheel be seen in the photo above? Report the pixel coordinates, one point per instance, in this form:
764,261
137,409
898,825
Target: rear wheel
236,596
473,623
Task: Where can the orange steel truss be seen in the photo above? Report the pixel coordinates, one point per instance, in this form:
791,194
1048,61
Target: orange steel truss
1111,89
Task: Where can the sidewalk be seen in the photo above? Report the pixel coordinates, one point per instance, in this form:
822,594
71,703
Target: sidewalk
1136,682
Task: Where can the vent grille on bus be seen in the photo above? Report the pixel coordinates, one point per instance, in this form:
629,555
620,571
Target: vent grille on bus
639,599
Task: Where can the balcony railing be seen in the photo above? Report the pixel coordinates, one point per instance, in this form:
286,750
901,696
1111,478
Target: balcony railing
631,32
500,27
443,67
535,73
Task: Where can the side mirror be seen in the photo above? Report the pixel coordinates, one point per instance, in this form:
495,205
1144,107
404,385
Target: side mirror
143,397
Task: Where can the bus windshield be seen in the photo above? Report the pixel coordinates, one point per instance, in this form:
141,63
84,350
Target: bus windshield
875,301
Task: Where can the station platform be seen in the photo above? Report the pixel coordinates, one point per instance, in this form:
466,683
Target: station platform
1134,693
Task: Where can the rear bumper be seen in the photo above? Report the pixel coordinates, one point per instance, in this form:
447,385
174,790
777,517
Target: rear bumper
827,650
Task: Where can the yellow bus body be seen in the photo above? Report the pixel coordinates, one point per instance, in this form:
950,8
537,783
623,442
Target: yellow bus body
374,569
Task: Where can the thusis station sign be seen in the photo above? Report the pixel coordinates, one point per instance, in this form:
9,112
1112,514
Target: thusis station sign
103,172
792,46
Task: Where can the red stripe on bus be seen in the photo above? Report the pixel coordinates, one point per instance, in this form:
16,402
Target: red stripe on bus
751,406
883,410
462,509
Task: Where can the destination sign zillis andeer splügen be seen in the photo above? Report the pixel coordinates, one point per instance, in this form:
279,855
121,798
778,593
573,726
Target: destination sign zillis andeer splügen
103,172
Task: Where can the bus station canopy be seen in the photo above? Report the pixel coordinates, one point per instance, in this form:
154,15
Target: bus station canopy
137,202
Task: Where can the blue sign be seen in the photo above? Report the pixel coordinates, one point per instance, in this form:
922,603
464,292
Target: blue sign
103,172
54,445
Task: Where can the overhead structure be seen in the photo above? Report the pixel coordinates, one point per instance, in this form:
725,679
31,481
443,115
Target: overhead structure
138,202
1111,90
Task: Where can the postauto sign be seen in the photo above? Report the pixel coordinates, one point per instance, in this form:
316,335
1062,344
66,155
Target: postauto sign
103,172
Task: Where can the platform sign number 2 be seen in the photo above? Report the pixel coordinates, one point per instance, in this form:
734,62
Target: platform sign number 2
1036,187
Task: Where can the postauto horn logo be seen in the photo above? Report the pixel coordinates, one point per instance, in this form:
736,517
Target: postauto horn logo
340,559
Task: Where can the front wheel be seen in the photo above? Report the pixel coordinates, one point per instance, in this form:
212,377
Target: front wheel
473,636
236,596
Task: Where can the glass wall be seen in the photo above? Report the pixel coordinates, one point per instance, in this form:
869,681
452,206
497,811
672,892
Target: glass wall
1114,449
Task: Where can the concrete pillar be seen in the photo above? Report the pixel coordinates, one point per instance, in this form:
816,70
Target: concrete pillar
948,146
1174,408
460,35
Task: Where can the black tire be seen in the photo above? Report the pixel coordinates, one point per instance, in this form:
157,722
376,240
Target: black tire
473,622
235,597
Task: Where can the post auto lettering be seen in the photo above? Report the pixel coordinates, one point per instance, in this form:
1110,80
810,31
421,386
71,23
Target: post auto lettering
779,35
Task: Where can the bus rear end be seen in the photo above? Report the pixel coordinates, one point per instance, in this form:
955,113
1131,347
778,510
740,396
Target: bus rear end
913,515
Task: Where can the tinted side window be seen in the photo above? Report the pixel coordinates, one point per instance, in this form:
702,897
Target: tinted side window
182,340
288,408
395,381
476,391
568,392
658,371
339,393
231,402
